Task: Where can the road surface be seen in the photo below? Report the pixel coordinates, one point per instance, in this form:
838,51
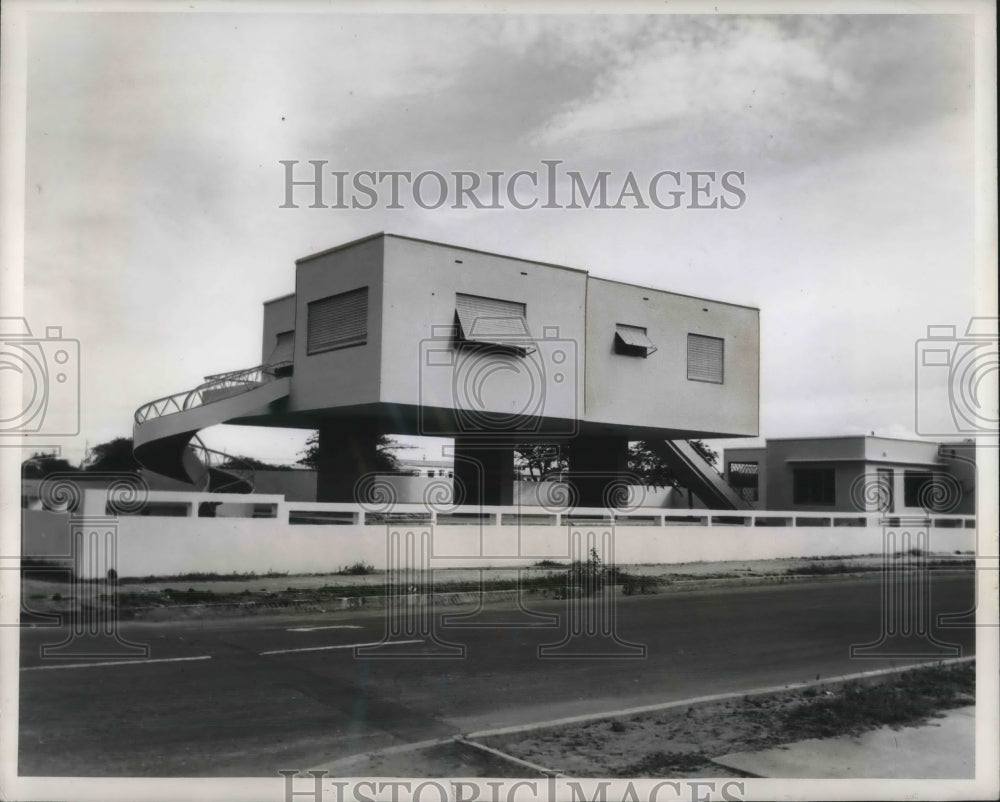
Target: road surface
249,696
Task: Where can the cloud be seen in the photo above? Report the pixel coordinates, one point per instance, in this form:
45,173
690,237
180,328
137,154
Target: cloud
154,184
784,85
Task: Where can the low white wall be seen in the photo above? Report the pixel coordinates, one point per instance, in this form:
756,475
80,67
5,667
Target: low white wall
182,546
148,544
166,546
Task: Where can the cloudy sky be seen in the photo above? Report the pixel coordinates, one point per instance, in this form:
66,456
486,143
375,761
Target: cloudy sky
153,183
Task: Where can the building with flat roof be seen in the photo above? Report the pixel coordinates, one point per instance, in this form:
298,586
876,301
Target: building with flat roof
391,334
861,473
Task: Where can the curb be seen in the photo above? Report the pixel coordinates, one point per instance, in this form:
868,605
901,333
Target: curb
717,697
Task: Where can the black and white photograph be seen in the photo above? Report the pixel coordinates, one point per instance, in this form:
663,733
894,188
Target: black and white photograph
494,402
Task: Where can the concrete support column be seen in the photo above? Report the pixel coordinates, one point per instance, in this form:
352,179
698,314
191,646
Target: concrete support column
485,470
346,453
594,464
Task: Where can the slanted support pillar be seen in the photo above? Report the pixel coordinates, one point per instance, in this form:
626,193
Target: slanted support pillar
484,471
595,465
347,449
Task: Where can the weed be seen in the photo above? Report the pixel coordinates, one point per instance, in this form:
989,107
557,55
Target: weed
360,568
913,697
660,764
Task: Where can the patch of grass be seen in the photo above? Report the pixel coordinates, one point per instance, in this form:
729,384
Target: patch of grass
639,583
663,764
912,697
843,556
681,742
360,568
951,563
821,569
205,576
189,596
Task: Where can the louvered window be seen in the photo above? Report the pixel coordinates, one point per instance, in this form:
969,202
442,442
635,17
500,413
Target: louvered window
705,358
632,341
338,321
491,321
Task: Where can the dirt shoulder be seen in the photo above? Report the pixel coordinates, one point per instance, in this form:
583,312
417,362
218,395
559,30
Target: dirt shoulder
163,598
681,741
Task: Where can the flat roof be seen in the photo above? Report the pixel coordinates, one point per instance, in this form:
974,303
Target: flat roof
383,234
670,292
862,459
859,437
463,248
279,298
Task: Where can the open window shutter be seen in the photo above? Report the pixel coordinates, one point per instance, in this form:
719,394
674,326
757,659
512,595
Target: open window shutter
632,340
491,321
284,349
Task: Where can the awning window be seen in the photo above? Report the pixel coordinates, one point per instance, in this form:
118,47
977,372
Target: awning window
284,349
632,341
494,322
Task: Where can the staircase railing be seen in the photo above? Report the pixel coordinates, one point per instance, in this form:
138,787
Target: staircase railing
221,462
246,379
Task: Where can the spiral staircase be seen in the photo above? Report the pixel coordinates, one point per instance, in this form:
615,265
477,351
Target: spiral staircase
165,431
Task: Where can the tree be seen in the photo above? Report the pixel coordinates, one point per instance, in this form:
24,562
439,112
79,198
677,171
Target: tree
542,460
539,460
707,454
244,463
114,456
386,460
39,465
654,471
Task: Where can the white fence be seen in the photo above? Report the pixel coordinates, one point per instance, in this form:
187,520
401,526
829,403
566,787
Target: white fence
178,532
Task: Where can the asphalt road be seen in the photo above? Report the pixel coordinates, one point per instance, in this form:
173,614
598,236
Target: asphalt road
246,697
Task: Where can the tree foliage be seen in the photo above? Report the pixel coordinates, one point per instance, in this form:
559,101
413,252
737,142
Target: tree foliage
654,471
40,465
241,462
541,461
114,456
386,447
